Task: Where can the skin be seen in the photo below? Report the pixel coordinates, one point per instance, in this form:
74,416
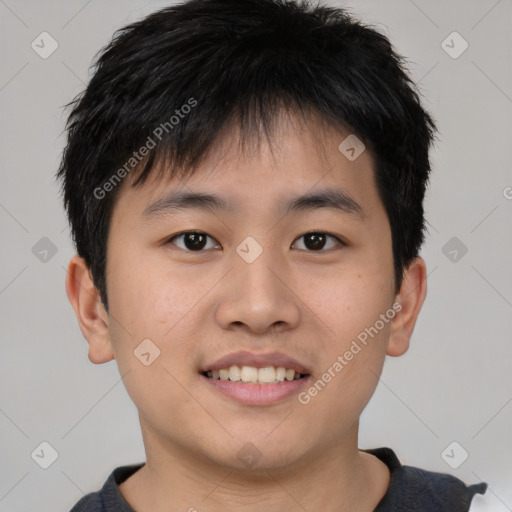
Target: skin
198,306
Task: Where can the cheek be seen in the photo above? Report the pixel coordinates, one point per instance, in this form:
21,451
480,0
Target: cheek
357,307
148,302
145,293
352,361
355,310
350,302
152,299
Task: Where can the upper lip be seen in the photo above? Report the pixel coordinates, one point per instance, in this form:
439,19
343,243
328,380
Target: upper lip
258,360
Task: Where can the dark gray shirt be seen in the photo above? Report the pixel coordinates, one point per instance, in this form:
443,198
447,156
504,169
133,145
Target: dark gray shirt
410,489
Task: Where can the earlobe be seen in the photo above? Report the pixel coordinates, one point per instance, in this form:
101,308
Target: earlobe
411,297
91,315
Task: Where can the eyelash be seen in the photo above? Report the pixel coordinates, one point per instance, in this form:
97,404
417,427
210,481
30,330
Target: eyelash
329,235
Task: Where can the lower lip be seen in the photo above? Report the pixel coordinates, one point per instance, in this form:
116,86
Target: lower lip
257,394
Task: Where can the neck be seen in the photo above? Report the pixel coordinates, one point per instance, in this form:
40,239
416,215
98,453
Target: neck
339,479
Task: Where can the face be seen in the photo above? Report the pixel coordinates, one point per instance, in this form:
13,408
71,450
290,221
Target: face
258,276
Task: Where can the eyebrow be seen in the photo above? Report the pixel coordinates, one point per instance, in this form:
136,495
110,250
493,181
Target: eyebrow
179,201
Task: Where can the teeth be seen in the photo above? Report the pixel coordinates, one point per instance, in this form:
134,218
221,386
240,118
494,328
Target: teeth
251,374
267,374
280,373
234,373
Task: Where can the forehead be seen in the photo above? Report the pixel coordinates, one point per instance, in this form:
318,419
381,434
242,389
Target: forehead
294,159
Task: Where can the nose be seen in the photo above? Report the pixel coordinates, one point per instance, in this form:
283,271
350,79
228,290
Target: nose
259,297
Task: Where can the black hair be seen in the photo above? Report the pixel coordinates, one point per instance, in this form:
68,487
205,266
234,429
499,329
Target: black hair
171,81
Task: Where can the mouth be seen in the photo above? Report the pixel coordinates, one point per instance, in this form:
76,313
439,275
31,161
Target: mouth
254,375
256,379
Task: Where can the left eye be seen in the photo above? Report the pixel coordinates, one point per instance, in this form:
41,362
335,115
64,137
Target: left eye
316,240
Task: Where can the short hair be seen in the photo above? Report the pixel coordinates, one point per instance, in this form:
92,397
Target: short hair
181,74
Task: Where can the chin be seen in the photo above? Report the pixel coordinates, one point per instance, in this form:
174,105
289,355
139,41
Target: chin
257,456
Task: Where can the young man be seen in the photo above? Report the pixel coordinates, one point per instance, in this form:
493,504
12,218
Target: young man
244,182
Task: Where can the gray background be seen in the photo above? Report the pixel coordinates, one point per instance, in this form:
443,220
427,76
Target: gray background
454,384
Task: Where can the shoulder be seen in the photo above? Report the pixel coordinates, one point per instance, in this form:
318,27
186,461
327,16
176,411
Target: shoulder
91,502
441,491
413,488
108,498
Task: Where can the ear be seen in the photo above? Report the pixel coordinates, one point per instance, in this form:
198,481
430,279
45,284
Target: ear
411,297
90,312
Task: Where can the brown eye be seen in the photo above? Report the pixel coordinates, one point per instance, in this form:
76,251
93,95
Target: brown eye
317,241
192,240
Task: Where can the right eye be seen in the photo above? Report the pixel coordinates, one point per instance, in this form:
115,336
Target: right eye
192,240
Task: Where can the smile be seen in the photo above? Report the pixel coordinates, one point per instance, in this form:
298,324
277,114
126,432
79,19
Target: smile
253,375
